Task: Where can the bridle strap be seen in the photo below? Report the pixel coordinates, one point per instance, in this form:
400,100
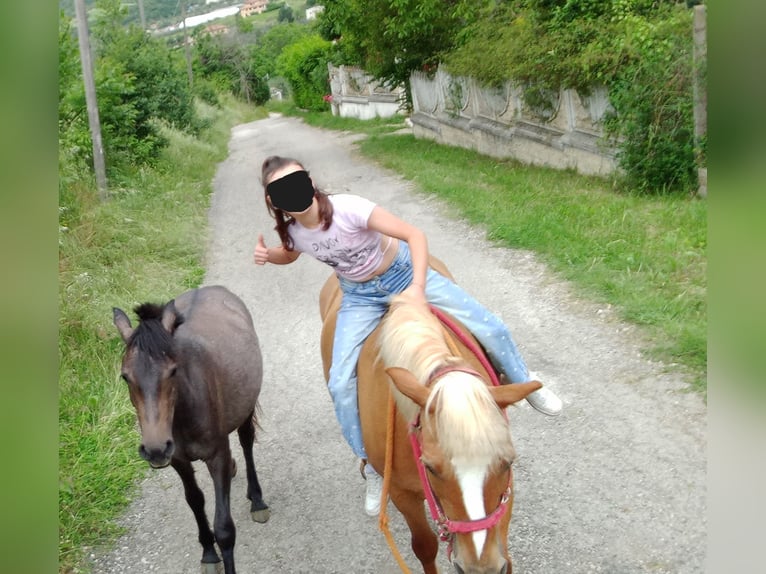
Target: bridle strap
468,342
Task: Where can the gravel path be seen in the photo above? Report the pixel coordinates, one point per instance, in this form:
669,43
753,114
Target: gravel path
616,484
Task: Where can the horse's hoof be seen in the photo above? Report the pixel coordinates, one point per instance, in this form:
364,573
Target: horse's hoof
261,515
212,568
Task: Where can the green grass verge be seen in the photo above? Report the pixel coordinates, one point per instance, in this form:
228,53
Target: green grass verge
645,255
146,243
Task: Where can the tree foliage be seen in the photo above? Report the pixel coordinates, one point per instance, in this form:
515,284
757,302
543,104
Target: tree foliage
304,66
639,49
139,84
392,38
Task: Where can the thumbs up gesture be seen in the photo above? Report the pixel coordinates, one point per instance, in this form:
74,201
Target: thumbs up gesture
261,253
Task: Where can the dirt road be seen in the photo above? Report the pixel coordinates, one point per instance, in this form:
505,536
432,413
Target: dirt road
616,484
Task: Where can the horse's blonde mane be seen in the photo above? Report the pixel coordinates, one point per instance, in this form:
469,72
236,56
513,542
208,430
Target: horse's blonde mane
467,419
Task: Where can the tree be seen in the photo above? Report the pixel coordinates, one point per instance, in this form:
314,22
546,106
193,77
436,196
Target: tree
304,65
138,81
285,14
231,66
392,38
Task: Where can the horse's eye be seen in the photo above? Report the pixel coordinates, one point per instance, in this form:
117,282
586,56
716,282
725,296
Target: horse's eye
125,378
172,372
429,468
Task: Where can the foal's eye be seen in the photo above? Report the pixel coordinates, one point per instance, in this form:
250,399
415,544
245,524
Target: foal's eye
172,372
125,378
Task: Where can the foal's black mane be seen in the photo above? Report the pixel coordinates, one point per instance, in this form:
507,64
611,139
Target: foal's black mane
150,336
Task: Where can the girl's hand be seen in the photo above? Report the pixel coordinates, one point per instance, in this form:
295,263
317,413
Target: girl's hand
416,292
261,253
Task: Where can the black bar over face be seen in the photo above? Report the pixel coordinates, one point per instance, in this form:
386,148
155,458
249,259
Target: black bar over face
293,192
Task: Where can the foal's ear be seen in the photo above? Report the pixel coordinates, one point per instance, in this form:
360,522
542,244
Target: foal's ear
408,385
505,395
122,323
170,316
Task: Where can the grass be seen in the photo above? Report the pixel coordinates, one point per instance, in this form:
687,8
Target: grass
145,244
644,255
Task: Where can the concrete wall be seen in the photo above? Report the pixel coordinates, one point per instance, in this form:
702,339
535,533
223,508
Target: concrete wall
357,95
564,131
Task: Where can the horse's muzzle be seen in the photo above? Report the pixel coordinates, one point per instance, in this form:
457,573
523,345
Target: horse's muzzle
504,569
157,456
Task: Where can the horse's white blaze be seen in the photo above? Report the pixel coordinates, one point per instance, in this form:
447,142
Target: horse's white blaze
471,481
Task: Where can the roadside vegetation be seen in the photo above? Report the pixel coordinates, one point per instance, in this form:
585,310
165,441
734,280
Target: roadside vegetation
640,249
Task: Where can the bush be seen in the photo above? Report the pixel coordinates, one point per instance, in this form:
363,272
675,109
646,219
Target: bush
639,49
304,65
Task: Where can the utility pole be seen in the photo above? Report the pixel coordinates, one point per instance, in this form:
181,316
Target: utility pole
700,93
187,48
90,97
141,14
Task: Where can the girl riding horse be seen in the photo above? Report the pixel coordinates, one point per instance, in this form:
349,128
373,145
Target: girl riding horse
375,256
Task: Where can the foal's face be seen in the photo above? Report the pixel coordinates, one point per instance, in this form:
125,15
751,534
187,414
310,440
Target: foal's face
152,386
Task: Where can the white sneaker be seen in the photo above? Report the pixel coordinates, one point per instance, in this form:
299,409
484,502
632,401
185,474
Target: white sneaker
545,401
374,488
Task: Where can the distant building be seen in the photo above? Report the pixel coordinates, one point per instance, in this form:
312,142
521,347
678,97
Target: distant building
251,7
216,29
311,13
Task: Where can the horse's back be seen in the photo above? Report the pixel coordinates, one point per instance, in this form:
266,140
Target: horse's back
217,336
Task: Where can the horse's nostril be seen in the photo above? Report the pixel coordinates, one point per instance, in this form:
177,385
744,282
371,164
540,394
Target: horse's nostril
169,448
458,569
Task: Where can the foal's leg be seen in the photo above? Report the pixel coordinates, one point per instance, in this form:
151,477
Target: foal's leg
259,511
196,501
223,525
424,543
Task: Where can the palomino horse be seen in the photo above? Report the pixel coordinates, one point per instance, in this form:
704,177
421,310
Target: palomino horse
193,369
461,435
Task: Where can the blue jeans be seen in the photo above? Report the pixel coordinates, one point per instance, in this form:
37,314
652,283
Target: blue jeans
361,309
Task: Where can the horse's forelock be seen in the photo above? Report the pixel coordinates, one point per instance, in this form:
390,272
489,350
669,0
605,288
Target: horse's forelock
468,422
150,336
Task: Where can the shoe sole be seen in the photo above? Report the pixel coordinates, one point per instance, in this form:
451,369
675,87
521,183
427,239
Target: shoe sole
545,412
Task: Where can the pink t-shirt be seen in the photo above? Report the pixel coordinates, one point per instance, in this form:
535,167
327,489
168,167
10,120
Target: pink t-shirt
347,246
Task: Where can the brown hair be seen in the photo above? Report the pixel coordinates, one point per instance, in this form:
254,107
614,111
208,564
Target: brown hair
273,164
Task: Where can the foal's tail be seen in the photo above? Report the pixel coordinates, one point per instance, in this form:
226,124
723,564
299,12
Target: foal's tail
256,412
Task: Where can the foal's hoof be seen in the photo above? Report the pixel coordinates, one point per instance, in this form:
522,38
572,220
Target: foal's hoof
261,515
211,568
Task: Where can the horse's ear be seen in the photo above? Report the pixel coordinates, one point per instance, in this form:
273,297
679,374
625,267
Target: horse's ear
505,395
122,323
408,385
170,316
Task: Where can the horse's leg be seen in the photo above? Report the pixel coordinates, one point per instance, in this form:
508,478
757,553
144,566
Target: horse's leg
424,542
196,501
223,525
259,511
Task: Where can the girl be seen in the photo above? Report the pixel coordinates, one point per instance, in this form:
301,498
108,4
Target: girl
375,255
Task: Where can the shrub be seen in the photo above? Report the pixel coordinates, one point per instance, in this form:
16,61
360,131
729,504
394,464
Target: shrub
639,49
304,65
